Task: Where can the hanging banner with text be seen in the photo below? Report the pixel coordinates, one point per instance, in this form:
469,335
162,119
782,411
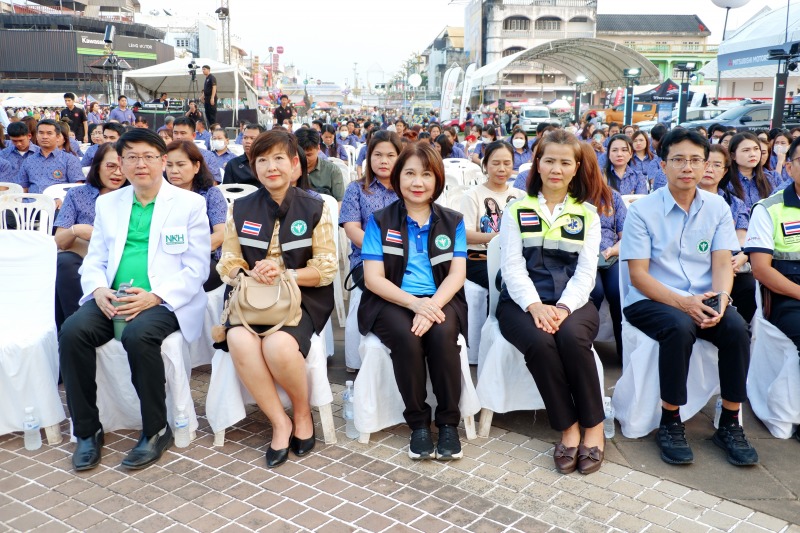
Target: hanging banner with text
466,91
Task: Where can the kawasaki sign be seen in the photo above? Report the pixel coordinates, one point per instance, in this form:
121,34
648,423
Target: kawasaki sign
92,44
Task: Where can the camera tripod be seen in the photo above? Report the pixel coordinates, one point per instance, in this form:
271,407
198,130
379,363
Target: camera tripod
192,91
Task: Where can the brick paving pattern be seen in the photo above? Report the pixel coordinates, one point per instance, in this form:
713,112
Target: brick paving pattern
506,482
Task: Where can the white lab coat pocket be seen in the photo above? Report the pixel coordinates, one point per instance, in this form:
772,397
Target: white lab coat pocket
175,239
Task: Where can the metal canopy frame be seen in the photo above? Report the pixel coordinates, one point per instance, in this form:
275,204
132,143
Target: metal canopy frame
600,61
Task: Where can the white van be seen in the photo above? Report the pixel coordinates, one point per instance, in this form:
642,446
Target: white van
531,116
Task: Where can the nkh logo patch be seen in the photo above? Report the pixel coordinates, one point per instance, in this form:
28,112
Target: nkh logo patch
791,228
251,228
529,219
394,236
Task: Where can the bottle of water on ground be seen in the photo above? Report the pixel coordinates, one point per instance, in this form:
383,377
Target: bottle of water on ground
30,425
608,422
182,437
349,413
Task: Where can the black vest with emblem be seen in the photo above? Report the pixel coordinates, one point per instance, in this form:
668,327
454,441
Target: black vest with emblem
395,258
296,250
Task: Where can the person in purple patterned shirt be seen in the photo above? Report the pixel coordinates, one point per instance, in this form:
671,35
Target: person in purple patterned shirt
746,177
619,174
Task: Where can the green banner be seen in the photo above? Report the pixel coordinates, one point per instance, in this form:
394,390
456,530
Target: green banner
130,55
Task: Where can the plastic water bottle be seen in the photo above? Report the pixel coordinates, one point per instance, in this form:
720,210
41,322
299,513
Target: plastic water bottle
182,437
608,422
30,425
717,411
349,413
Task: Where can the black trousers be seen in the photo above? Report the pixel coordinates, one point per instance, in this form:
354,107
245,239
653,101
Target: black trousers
785,314
213,280
211,112
477,272
562,365
744,295
89,328
676,334
439,348
68,286
606,286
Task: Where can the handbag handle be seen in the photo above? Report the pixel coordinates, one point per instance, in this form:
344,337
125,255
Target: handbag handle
294,303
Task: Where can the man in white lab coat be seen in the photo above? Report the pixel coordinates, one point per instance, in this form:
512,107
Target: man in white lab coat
156,237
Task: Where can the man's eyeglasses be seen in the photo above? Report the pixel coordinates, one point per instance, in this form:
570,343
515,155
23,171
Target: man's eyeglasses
715,166
150,159
679,163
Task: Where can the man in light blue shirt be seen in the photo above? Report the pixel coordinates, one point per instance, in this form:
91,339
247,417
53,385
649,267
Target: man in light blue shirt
678,244
122,114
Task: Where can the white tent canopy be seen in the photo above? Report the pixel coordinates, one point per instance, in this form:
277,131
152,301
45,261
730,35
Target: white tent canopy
35,100
173,78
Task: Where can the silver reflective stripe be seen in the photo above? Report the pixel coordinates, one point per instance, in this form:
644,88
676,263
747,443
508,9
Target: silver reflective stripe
532,242
786,256
441,258
253,243
563,245
392,251
302,243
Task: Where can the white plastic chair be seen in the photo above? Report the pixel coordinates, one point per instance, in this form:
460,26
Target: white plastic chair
234,191
86,171
10,188
352,156
201,351
26,208
117,400
343,168
476,317
637,395
227,397
59,191
456,167
376,399
236,149
773,382
28,342
525,166
474,176
504,381
352,336
338,292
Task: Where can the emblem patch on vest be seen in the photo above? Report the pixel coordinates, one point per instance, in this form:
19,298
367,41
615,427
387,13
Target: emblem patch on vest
442,242
574,226
251,228
298,227
529,221
394,236
703,246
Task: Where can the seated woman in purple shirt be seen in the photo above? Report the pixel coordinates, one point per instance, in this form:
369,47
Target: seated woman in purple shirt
446,148
619,174
74,225
329,146
522,151
746,178
187,169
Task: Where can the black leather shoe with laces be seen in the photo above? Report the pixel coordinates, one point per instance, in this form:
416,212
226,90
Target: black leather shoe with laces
731,439
449,446
675,449
421,445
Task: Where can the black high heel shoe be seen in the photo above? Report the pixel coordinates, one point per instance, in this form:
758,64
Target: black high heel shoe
301,447
276,457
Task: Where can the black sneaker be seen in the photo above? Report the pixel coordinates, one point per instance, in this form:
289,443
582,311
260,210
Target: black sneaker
731,439
421,445
797,433
448,447
672,441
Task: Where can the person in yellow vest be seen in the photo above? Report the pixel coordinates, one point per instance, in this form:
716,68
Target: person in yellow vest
549,242
773,243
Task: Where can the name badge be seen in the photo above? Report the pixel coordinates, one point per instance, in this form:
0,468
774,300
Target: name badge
175,240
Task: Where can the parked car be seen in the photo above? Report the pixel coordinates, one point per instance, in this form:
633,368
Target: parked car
743,118
641,111
531,116
693,116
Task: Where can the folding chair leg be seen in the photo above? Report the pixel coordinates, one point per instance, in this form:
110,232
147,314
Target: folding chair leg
485,423
469,427
363,438
53,434
328,428
219,438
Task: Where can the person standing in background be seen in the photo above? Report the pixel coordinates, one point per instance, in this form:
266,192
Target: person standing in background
210,95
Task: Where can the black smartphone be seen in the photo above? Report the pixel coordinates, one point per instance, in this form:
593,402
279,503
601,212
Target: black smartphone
713,303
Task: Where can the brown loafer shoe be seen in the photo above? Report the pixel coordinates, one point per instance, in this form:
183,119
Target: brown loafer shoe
589,459
566,459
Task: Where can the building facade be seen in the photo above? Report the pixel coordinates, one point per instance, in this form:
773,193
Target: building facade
446,50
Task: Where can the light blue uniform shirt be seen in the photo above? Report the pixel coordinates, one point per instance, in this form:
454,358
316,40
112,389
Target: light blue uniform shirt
418,277
678,244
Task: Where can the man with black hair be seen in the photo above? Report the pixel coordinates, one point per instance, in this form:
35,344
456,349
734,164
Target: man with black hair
49,166
167,266
283,111
678,243
324,176
209,96
237,170
121,113
201,133
78,122
112,131
219,155
20,147
183,129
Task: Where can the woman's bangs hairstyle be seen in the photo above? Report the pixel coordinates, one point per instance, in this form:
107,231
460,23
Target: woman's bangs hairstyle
270,140
202,179
93,177
431,161
647,149
381,136
491,148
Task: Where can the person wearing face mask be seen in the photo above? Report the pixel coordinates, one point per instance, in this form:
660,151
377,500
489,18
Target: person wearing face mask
778,148
488,136
219,155
522,153
329,146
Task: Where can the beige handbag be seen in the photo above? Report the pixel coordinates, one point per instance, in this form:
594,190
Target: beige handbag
255,304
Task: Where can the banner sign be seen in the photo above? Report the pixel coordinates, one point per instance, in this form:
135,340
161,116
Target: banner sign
466,92
449,84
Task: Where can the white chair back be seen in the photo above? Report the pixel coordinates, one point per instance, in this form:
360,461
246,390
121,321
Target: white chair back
352,155
473,177
236,149
233,191
86,171
26,209
338,288
343,168
10,188
525,166
492,267
59,191
454,196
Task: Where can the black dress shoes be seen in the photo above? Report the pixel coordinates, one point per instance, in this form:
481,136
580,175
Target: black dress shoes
87,452
276,457
300,447
148,450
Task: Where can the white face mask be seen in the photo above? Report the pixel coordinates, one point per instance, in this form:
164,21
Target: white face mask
780,149
217,145
343,134
518,143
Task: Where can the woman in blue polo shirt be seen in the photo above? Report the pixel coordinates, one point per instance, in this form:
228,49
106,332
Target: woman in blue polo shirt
746,177
522,152
619,174
414,255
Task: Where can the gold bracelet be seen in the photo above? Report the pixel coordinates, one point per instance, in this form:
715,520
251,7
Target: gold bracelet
72,227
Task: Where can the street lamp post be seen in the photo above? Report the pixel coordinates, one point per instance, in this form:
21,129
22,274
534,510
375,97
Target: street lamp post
579,81
686,69
631,76
728,5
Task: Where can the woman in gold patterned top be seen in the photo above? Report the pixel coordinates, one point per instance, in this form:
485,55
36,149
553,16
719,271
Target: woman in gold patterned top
279,228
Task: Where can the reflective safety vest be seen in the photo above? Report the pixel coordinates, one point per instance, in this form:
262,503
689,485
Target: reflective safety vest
551,252
784,210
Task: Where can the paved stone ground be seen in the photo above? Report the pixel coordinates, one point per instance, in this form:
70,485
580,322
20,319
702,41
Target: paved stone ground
504,483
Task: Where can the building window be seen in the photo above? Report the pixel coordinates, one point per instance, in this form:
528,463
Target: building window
517,24
512,50
758,85
515,78
691,45
579,19
182,43
548,24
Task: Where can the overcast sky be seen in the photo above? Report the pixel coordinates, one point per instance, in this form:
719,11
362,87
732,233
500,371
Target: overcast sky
324,38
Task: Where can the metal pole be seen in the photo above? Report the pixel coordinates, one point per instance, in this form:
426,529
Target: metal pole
719,71
628,103
577,102
779,101
683,98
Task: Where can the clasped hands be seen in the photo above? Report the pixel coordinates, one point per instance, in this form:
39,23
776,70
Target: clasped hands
426,312
547,318
702,315
265,271
138,301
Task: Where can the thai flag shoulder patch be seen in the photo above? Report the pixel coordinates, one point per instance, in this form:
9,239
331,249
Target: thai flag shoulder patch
251,228
791,228
529,218
394,236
